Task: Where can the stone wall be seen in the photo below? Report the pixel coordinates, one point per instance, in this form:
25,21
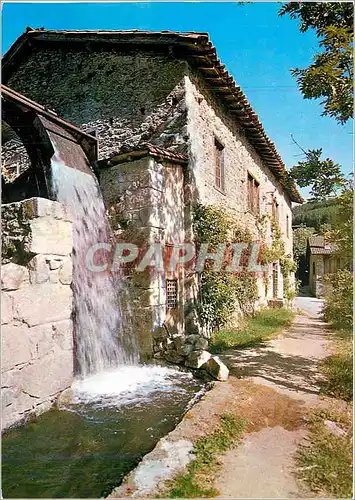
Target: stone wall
207,122
126,99
36,306
145,205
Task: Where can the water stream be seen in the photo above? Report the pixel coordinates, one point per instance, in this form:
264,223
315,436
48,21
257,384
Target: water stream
85,449
103,338
118,409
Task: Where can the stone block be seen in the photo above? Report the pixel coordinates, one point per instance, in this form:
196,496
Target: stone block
174,357
201,343
15,346
42,207
12,276
50,236
6,308
216,368
42,303
48,375
185,349
191,339
66,272
39,270
197,358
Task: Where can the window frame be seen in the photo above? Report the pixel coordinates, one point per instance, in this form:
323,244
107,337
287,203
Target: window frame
219,165
169,307
253,187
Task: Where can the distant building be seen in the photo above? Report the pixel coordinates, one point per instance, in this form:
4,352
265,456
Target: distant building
322,261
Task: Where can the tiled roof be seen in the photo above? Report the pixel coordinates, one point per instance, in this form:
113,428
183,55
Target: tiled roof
317,240
319,246
198,50
141,151
321,251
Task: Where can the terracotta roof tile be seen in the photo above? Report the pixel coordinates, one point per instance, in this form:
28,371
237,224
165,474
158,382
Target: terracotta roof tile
141,151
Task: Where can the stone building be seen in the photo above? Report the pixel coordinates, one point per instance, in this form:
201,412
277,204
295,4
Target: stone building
173,128
322,261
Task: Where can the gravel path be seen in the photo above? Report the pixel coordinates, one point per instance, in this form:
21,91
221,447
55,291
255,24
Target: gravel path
262,466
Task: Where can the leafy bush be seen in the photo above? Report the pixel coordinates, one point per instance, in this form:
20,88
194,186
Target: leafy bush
338,370
221,293
338,299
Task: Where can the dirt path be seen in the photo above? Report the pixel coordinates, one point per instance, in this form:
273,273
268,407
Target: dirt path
262,466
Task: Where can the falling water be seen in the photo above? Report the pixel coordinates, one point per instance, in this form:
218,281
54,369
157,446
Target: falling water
103,339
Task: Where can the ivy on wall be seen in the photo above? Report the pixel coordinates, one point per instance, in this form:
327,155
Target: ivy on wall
277,252
221,293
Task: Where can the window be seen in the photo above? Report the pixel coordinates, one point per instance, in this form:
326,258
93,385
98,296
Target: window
219,165
253,195
287,226
275,210
171,294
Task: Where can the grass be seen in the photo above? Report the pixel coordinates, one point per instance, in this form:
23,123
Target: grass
196,482
254,330
338,370
325,462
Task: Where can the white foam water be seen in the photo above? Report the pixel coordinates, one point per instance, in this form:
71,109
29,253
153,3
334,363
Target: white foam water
128,385
103,339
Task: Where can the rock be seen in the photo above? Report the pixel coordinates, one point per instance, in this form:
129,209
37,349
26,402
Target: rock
217,369
160,333
15,346
39,270
185,349
42,303
334,428
55,263
178,342
6,309
66,272
201,343
174,357
12,276
191,339
49,238
197,358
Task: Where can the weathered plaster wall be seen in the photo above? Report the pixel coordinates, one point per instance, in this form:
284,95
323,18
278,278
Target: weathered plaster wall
316,278
126,98
207,122
36,306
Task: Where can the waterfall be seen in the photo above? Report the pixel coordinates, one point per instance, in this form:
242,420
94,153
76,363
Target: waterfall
103,338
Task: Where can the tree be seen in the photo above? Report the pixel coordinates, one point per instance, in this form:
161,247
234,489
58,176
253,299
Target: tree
324,176
330,76
342,233
300,239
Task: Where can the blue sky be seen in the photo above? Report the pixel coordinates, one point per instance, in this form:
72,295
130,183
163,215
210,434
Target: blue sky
258,48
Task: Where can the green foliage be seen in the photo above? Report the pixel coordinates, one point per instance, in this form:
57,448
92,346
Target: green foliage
265,324
338,370
219,295
221,292
324,176
213,225
300,239
319,15
342,233
325,461
196,482
330,76
338,299
315,214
